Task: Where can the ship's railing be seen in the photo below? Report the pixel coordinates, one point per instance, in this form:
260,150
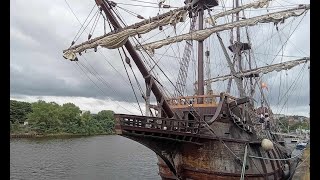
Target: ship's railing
156,123
208,100
186,100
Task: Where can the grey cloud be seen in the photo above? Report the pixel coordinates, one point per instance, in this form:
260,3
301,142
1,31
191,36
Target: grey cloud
36,48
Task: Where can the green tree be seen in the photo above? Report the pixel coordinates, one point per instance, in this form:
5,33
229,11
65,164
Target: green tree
105,114
106,120
283,124
69,115
45,117
302,125
19,111
50,117
15,127
87,125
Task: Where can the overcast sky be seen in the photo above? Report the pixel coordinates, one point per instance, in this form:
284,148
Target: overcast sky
40,30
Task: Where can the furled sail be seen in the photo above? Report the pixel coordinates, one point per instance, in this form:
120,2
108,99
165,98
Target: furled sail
262,70
118,39
205,33
256,4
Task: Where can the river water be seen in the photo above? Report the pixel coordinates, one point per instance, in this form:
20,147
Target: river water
85,158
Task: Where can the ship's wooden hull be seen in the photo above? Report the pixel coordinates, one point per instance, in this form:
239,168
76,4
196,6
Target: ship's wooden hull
210,159
214,161
187,149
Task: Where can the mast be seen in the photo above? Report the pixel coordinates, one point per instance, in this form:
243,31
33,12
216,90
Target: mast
200,55
238,31
231,42
136,58
238,49
208,73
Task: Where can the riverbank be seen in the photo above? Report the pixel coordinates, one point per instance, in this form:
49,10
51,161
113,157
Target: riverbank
58,135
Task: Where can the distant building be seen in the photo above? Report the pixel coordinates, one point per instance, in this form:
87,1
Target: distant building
277,116
291,121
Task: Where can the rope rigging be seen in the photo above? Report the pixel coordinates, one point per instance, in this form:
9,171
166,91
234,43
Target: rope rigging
74,39
284,45
155,62
102,92
201,119
166,52
85,28
291,86
121,19
128,62
94,25
97,75
84,67
149,64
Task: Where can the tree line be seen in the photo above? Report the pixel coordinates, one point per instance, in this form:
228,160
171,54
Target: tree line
51,118
283,123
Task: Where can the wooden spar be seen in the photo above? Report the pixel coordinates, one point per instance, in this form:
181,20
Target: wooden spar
205,33
133,26
261,70
136,58
255,4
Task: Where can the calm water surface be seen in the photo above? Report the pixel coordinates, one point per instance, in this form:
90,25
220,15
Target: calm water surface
86,158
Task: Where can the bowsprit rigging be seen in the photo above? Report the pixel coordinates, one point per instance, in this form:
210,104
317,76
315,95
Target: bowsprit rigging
205,135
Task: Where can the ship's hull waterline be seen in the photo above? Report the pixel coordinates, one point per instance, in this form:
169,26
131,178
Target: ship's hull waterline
194,157
216,162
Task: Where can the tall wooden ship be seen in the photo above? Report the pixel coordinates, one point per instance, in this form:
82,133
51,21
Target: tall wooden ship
209,134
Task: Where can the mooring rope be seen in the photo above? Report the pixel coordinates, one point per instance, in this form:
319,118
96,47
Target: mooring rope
257,157
244,163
